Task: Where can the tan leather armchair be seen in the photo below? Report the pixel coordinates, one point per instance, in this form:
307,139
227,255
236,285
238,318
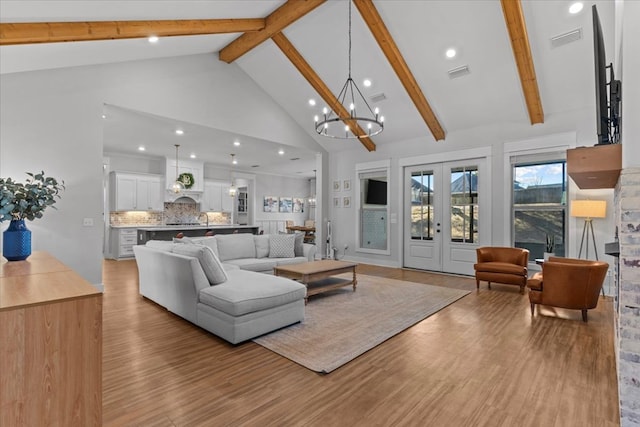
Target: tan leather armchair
502,265
568,283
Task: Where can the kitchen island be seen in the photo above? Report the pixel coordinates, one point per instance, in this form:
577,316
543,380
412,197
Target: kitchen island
168,232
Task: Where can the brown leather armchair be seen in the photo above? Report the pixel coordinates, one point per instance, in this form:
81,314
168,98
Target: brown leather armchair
568,283
502,265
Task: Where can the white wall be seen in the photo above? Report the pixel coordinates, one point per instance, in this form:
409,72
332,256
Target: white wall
342,166
280,186
631,85
51,120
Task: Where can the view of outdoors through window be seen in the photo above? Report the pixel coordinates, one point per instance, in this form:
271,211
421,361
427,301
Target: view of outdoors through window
464,204
539,208
422,205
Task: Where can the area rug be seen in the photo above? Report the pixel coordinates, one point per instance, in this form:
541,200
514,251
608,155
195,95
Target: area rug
340,325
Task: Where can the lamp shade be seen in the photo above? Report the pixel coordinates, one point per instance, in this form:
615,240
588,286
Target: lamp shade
589,208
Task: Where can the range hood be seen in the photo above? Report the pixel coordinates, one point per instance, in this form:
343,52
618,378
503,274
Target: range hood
194,168
595,167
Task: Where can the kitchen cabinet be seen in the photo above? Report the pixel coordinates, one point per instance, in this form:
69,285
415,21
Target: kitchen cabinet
136,192
122,241
216,197
227,201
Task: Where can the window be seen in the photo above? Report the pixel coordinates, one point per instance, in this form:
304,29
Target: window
422,205
464,204
539,206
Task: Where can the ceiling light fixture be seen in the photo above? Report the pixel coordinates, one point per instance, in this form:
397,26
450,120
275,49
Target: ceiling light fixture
153,39
177,186
312,102
450,53
179,132
236,143
366,83
281,151
575,7
232,189
192,155
141,148
356,126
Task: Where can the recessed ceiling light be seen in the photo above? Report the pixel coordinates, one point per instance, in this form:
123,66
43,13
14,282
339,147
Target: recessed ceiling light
450,53
193,156
153,39
141,148
312,102
575,7
104,116
179,132
281,151
236,143
366,83
234,161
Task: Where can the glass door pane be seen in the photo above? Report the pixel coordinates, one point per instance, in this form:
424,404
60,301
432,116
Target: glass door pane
464,204
422,209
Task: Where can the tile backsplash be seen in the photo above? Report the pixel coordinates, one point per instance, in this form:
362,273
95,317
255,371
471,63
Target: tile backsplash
173,213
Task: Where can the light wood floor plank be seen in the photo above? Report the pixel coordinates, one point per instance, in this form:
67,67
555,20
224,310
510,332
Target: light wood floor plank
482,361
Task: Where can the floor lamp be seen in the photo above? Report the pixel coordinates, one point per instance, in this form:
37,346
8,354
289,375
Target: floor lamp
588,209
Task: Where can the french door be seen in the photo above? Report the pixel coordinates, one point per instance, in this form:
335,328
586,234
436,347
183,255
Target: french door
442,218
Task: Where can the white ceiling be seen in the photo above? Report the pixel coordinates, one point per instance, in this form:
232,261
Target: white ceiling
423,30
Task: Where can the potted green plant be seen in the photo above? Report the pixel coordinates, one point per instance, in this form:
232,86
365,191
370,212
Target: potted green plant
20,201
549,246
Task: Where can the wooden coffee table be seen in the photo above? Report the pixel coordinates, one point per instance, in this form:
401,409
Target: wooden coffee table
317,275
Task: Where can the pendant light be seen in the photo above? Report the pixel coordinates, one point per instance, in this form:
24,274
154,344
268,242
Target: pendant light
232,189
177,186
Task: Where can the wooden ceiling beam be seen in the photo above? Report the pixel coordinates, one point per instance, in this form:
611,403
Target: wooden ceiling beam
54,32
396,60
282,17
514,18
312,77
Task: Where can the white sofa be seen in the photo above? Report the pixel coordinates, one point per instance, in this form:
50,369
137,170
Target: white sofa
253,252
224,298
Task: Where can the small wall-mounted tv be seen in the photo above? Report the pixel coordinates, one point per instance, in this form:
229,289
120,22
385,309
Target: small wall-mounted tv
376,192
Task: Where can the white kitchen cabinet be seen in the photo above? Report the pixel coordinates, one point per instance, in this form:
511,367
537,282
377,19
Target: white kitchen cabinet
122,241
133,192
216,197
212,197
227,201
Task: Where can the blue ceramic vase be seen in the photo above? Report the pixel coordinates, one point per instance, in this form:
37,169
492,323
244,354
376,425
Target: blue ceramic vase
16,241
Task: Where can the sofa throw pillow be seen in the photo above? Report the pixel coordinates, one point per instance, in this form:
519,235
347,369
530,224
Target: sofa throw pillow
208,260
209,241
298,248
282,245
235,246
262,246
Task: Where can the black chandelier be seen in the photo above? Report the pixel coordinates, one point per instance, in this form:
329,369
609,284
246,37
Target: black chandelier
355,126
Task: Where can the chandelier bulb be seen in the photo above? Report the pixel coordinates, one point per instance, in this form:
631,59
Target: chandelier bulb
346,128
369,126
315,118
352,107
377,111
325,110
382,119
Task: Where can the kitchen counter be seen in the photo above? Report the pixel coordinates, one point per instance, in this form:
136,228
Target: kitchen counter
168,232
194,227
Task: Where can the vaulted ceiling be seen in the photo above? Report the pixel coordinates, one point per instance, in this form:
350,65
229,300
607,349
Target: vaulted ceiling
297,50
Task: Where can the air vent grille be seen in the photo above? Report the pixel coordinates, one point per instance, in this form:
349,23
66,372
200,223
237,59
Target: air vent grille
566,38
454,73
377,98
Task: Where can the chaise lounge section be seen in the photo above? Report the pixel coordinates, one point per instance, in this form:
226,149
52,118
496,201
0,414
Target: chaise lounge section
235,304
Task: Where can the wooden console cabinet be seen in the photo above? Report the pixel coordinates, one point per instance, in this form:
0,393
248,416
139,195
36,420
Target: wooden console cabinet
50,345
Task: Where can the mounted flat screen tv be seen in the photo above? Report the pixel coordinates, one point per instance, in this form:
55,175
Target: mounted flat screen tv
607,107
376,192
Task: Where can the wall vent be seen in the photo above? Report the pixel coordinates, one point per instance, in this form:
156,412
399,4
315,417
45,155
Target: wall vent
377,98
454,73
566,38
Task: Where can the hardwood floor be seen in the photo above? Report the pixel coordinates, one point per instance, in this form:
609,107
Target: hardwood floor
482,361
